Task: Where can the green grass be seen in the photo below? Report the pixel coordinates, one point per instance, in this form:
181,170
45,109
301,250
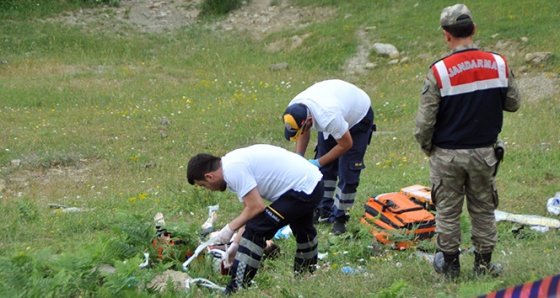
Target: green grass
83,112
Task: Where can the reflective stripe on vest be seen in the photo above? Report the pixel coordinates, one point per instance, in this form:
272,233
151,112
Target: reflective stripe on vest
454,76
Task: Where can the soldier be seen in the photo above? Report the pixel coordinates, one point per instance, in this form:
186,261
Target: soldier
459,117
342,114
292,185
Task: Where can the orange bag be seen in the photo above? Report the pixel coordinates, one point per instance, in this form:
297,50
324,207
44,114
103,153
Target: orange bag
397,221
421,195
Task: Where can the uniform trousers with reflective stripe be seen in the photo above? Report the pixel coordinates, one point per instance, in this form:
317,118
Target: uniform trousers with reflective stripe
342,175
292,208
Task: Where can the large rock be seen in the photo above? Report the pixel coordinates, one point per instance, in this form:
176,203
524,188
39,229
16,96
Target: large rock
538,57
386,50
159,283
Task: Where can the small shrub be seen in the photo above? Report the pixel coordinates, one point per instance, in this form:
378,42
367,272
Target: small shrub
27,210
218,7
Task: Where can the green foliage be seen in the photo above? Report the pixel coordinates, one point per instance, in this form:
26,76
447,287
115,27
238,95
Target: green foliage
45,275
218,7
27,210
126,278
394,291
83,111
53,160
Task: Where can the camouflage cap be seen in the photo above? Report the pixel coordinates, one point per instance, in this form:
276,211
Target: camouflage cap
450,15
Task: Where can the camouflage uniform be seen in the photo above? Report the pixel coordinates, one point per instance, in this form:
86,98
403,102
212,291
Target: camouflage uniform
456,172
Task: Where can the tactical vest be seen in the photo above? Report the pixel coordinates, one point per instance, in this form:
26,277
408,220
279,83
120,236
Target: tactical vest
473,86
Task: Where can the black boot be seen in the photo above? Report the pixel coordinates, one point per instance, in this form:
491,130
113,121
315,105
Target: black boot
339,225
482,265
447,264
320,216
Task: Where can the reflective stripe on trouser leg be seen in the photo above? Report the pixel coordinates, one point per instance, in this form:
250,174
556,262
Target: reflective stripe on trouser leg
344,199
327,202
246,263
329,171
306,256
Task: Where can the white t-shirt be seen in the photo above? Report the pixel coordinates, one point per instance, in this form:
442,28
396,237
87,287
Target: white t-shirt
272,170
336,106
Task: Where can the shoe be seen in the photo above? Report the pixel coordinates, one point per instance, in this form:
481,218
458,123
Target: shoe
318,217
228,291
483,266
450,268
339,227
492,269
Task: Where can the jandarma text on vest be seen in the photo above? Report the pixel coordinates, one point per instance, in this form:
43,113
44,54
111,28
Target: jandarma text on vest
467,65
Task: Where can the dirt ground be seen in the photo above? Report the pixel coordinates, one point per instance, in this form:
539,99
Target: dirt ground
259,18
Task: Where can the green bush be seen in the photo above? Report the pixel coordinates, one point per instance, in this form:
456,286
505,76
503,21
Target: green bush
219,7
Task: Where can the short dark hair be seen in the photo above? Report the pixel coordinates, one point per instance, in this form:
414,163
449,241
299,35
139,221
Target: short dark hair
200,165
463,28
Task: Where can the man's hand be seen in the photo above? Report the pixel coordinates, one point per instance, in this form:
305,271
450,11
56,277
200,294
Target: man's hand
225,235
230,254
314,162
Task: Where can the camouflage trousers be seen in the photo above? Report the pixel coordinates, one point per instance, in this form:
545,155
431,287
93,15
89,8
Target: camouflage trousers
456,174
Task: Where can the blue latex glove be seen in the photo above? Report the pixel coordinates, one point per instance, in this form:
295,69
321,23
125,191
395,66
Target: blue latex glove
314,162
283,232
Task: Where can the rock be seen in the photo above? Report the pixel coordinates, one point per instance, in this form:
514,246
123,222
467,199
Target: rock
370,65
279,66
105,269
159,283
165,121
296,41
386,50
15,163
537,57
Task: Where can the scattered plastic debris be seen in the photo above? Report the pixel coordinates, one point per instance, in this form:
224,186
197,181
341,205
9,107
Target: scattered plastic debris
198,250
531,220
350,270
219,257
146,260
131,281
284,232
159,219
542,229
204,283
208,225
553,204
64,209
425,256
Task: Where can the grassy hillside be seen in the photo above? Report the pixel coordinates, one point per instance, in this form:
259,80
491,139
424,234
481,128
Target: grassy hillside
106,120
